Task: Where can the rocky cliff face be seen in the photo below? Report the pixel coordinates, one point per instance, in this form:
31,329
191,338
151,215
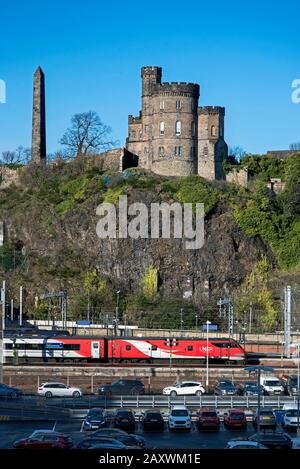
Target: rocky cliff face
58,250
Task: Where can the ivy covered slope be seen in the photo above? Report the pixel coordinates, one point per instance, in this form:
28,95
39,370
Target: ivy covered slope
252,241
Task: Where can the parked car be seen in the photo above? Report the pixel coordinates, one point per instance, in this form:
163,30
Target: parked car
244,444
95,419
122,387
267,419
179,418
8,391
185,388
44,439
290,417
225,388
272,386
124,419
290,384
58,390
273,439
235,419
101,443
153,420
117,434
208,420
249,388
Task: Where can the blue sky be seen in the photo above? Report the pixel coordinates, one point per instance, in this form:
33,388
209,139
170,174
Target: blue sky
244,55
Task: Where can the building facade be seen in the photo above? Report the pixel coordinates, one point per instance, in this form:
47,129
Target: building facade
172,136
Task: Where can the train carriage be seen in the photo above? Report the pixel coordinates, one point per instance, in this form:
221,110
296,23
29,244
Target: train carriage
122,349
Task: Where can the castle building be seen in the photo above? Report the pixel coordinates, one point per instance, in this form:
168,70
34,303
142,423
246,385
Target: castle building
172,136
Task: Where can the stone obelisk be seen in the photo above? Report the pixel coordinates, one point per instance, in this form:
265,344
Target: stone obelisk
39,118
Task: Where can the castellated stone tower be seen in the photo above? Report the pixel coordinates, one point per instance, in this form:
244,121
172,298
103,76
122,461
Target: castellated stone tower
167,133
39,118
212,149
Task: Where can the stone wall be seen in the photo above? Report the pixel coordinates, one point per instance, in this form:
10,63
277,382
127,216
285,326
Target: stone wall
8,176
117,159
240,177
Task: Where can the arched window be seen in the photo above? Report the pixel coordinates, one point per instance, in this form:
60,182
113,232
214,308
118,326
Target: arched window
141,134
213,131
162,128
133,134
178,128
161,151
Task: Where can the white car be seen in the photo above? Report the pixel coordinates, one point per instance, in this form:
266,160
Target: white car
179,418
272,386
186,388
290,418
58,390
244,444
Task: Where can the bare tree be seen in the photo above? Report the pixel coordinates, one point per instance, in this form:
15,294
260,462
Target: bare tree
237,152
87,135
19,156
295,146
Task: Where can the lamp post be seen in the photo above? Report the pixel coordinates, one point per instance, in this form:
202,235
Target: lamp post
298,388
258,369
117,311
207,329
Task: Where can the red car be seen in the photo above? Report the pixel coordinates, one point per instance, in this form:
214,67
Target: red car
208,420
235,419
44,439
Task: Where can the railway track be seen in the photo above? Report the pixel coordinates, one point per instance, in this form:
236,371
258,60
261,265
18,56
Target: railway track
137,366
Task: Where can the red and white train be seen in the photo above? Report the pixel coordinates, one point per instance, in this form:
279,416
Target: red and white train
122,349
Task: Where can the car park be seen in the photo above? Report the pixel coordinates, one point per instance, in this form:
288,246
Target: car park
194,388
249,388
267,419
235,419
244,444
101,443
58,390
10,392
124,419
123,387
273,439
290,384
179,418
152,420
208,419
290,417
225,387
128,439
272,386
95,419
44,439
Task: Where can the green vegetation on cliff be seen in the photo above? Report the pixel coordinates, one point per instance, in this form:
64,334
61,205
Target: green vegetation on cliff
52,210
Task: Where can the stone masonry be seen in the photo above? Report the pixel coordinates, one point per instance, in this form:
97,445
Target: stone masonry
39,118
172,136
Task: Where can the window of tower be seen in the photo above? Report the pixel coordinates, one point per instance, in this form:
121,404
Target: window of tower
177,151
213,131
192,152
133,134
162,128
178,104
161,151
162,105
178,128
205,151
221,131
141,134
193,129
